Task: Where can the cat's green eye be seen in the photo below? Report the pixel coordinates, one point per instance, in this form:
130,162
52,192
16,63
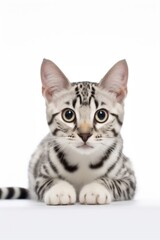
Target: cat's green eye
68,115
101,115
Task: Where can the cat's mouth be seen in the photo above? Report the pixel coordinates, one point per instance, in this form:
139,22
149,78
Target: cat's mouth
85,146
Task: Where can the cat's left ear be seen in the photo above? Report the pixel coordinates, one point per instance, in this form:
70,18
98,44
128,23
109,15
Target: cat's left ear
116,79
53,79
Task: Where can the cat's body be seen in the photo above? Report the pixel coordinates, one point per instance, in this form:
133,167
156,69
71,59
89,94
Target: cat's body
81,159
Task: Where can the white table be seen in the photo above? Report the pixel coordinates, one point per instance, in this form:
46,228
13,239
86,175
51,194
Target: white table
27,220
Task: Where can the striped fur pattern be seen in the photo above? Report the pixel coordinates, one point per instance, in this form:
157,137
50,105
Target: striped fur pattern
13,193
81,159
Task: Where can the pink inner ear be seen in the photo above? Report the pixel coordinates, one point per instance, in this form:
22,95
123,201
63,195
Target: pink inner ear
46,93
53,79
121,95
116,79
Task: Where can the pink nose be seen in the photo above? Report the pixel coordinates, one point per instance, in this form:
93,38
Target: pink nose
84,136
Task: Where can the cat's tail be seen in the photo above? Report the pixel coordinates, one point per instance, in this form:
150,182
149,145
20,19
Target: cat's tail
14,193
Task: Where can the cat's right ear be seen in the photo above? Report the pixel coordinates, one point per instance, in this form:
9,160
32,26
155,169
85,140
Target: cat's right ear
53,79
115,81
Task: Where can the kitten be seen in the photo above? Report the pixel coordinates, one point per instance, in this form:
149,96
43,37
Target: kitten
81,159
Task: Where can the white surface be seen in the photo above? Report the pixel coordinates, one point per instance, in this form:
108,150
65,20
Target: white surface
131,220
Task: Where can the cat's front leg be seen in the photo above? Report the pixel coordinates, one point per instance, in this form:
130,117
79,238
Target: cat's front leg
94,193
62,193
55,192
105,190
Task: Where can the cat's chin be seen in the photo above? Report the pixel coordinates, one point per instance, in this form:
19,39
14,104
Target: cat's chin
85,146
85,149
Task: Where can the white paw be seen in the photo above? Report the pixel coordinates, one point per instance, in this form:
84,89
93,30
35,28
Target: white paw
62,193
94,193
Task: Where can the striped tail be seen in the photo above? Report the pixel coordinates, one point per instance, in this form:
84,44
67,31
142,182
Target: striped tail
14,193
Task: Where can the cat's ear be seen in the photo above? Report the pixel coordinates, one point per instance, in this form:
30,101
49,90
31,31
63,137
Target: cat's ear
115,80
53,79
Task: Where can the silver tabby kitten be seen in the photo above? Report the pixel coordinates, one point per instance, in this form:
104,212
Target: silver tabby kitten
81,159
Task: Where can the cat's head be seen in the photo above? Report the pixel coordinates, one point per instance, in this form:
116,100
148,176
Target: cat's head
84,115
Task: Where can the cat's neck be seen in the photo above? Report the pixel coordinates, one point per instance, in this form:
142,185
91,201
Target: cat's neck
89,155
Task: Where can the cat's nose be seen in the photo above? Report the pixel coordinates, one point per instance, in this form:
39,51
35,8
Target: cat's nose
84,136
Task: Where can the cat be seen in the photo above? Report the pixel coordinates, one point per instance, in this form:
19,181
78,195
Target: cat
81,159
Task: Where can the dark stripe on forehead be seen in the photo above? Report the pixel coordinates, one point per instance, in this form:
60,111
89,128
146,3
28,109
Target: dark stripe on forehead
77,96
76,89
103,103
85,91
80,98
74,102
117,118
90,98
67,102
93,91
96,103
93,96
95,100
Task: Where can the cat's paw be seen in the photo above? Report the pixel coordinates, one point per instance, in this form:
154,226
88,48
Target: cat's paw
94,193
61,193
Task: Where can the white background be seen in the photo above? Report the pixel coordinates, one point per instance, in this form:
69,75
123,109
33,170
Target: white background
84,38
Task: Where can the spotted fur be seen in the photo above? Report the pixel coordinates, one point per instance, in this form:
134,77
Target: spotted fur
82,160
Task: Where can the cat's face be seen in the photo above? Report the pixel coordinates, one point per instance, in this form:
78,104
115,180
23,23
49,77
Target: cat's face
84,115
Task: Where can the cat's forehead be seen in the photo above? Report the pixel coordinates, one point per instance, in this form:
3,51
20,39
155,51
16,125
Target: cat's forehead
88,91
85,89
83,94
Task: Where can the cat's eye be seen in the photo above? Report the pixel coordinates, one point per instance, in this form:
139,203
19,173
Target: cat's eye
101,115
68,115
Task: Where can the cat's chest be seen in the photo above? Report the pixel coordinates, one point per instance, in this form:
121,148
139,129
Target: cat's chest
84,174
77,169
